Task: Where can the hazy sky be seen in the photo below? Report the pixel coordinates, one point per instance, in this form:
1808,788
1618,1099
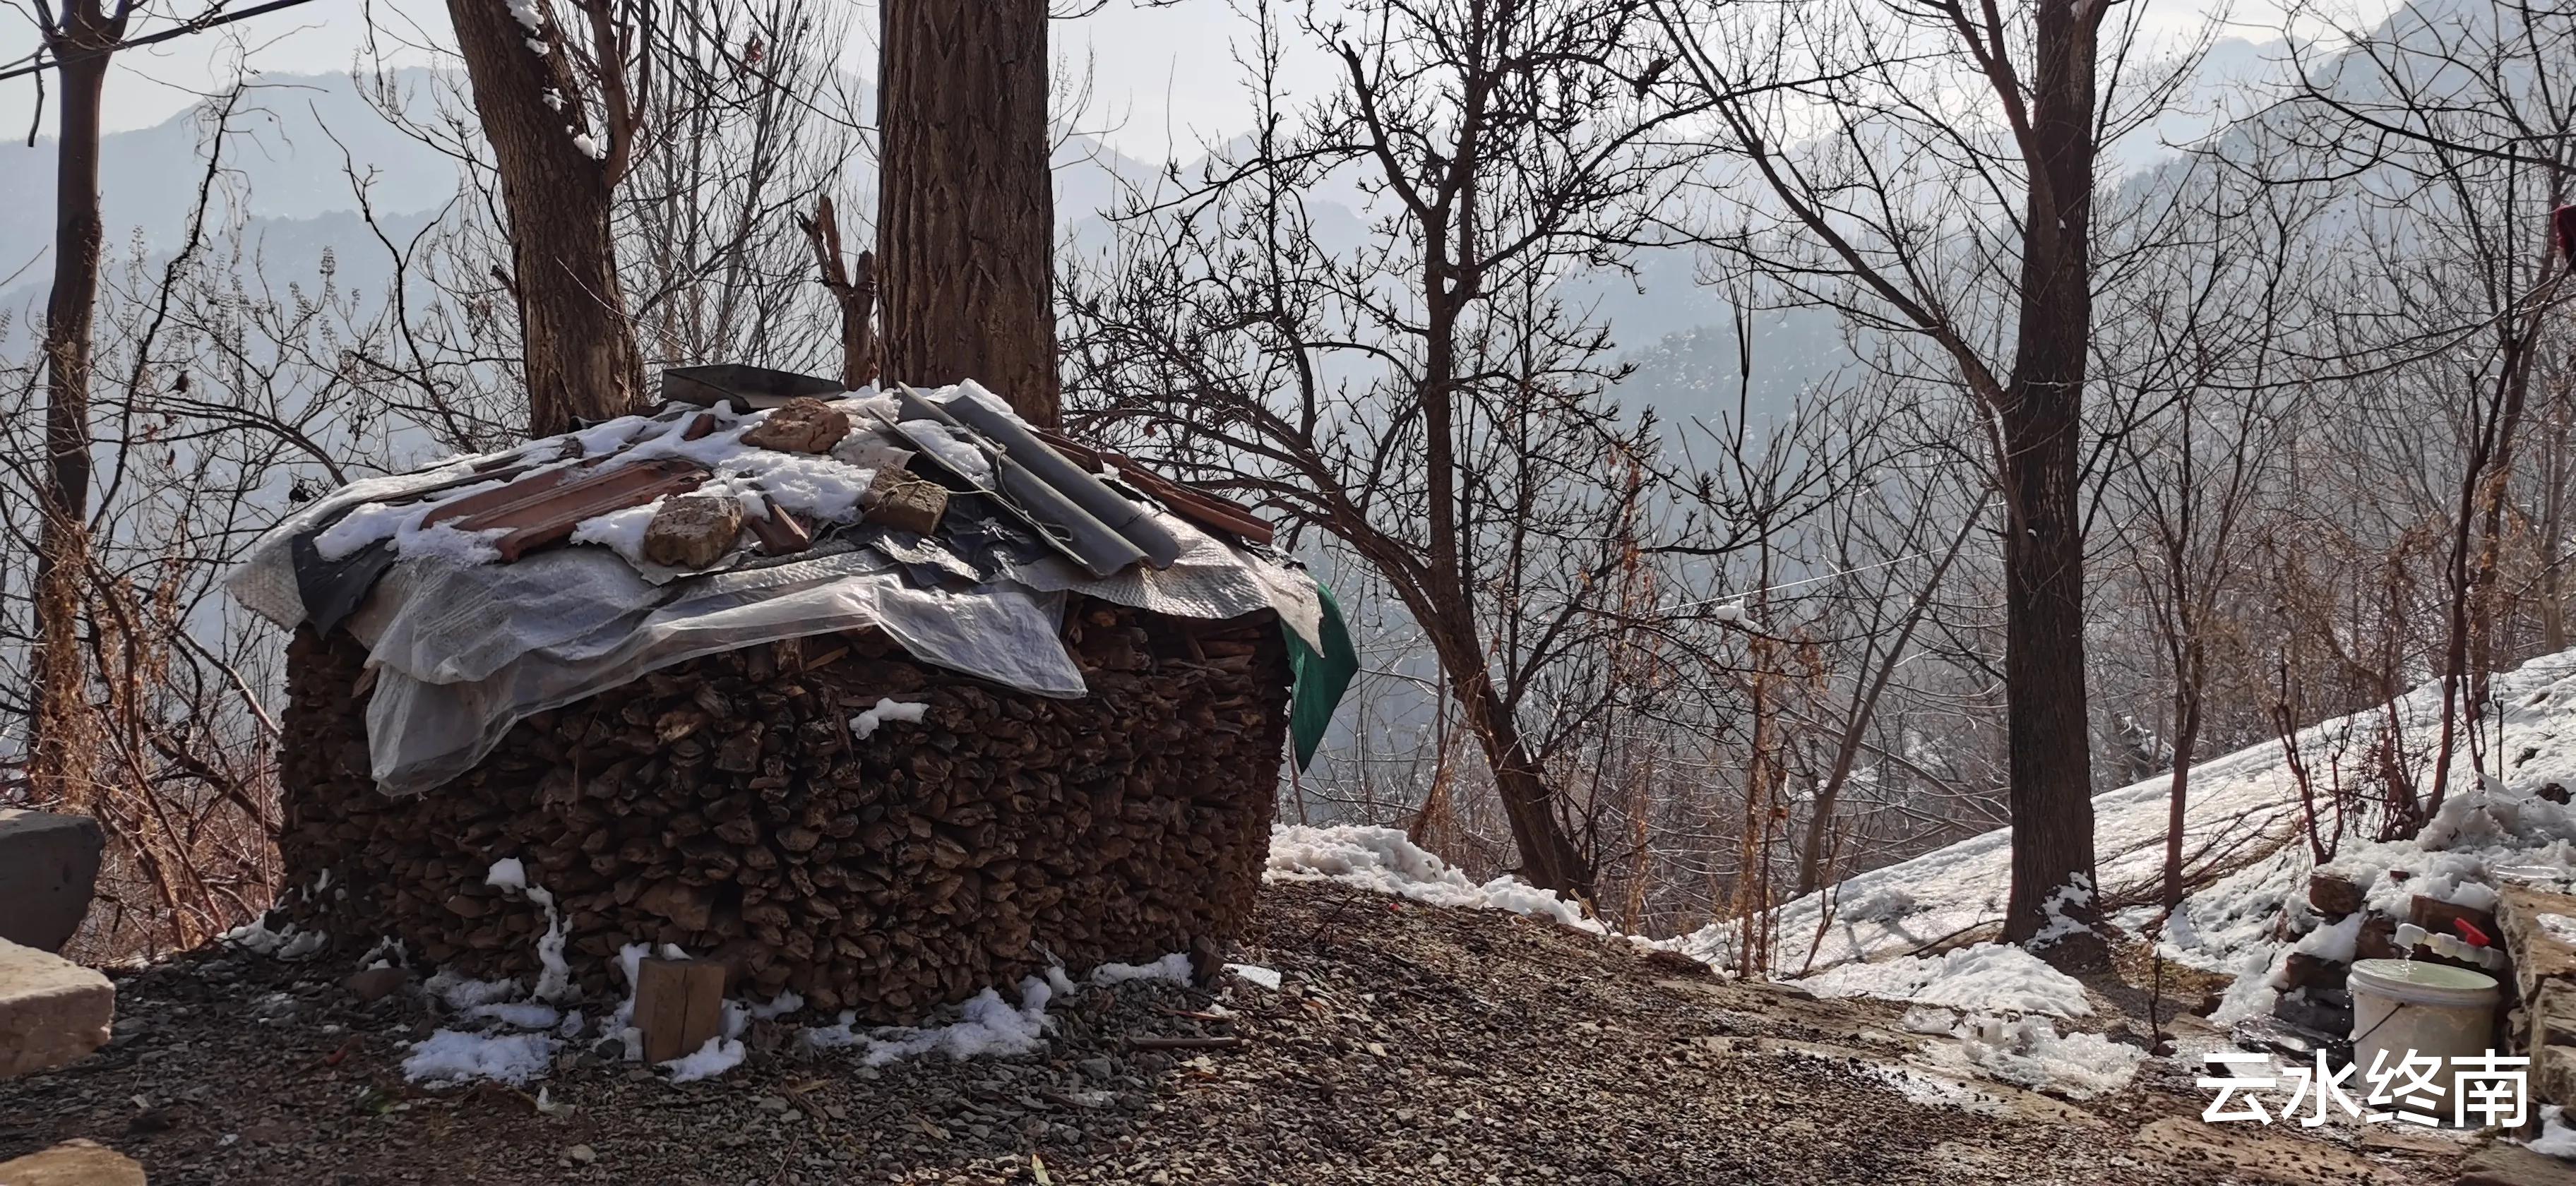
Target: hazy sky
1162,76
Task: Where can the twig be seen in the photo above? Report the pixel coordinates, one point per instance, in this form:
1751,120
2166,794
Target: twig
1183,1043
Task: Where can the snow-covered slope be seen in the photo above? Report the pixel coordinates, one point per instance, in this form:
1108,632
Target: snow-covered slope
2245,810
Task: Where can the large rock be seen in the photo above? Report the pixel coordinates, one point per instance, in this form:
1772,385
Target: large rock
52,1011
2334,895
693,532
2549,1037
2500,1164
898,500
48,866
801,425
76,1162
2540,934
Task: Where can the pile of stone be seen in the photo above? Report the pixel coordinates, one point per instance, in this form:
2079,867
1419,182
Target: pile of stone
2539,932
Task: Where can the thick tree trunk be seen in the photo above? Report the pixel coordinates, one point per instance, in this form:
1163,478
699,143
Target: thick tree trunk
557,187
1548,856
966,210
2047,722
60,768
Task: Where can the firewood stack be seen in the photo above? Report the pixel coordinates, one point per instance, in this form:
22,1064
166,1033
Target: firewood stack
723,805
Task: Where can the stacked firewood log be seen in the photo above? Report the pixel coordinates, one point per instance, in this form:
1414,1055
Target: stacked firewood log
724,805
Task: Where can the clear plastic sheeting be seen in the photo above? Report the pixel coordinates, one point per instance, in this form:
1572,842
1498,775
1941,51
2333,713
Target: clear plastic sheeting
447,623
265,581
423,731
463,649
462,653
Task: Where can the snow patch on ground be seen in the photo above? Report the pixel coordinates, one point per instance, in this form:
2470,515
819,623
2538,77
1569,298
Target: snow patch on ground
2245,811
464,993
1174,968
285,942
2557,1138
987,1025
453,1056
2060,907
1383,861
1987,976
1265,977
526,1015
2029,1051
719,1055
2336,943
1933,1091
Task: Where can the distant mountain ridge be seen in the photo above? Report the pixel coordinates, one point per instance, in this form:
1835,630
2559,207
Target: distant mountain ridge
300,145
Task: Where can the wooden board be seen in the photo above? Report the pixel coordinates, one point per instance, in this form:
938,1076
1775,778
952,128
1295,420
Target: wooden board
679,1004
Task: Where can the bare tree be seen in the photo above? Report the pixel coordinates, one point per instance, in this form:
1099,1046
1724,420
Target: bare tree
853,285
77,44
754,124
2203,336
82,39
1885,644
2458,143
1950,199
1423,394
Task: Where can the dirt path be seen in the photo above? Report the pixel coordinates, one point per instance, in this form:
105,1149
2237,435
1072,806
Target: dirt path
1407,1045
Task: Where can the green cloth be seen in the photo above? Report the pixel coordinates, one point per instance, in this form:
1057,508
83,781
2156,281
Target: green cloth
1320,679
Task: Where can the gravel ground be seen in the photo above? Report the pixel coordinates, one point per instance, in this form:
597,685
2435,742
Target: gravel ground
1407,1045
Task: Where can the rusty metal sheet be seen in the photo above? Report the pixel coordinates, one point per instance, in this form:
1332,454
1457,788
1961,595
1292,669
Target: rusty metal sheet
546,507
1197,506
778,531
525,490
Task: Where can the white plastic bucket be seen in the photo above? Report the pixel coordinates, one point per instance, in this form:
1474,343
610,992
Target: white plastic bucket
2413,1006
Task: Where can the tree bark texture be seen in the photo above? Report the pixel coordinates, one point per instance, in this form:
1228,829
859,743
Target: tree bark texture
966,210
579,347
60,768
2042,415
